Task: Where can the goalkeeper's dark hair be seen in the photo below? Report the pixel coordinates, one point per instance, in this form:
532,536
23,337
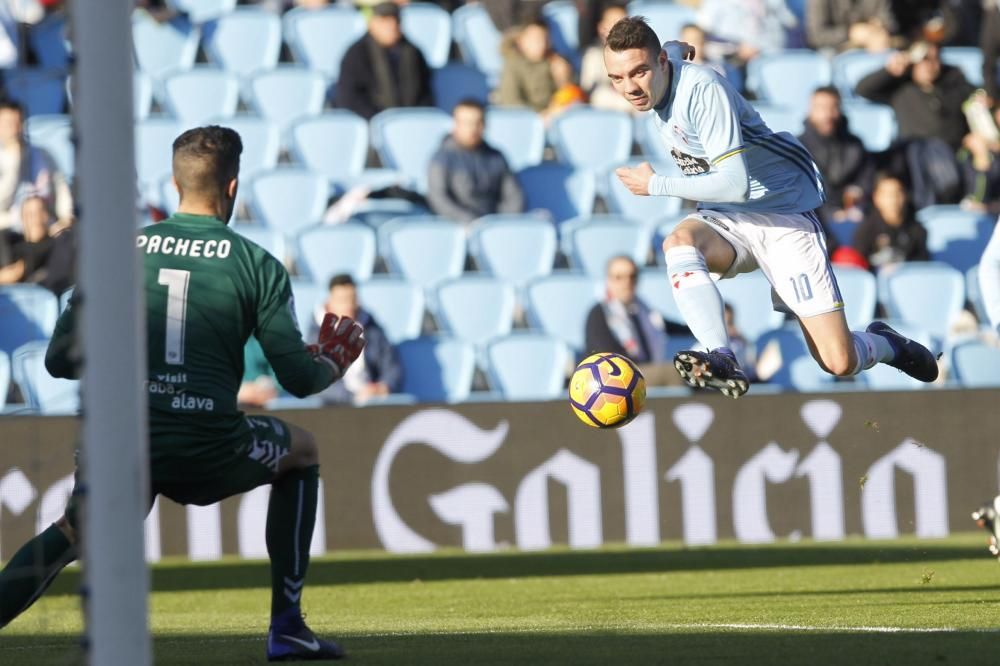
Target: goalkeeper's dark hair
342,280
633,32
206,159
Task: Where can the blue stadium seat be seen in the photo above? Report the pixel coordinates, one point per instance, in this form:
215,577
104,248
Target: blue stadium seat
455,82
4,379
478,40
558,305
261,144
244,41
750,296
429,28
887,378
28,313
396,304
154,138
426,252
334,144
564,29
142,94
344,248
285,94
39,91
54,135
44,393
655,291
665,18
202,93
528,366
518,133
850,67
163,47
646,135
437,369
860,292
976,364
788,77
589,138
269,239
475,308
874,124
798,370
779,118
318,38
645,210
48,41
927,295
969,59
202,11
561,190
309,298
288,200
955,236
514,248
407,138
596,240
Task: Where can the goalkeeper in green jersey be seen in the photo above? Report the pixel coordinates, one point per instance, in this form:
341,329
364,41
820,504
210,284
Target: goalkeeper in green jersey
207,290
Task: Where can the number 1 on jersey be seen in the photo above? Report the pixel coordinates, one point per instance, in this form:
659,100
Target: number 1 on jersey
176,282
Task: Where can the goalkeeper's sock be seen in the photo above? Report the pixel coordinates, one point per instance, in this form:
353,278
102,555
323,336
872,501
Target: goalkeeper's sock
31,570
291,515
697,297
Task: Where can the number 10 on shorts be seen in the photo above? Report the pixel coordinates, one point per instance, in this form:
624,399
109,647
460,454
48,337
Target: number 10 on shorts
801,287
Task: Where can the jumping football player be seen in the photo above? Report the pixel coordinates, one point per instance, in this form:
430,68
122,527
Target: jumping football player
207,290
756,191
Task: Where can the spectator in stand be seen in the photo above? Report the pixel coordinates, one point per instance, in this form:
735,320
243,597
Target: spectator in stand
989,42
696,37
979,157
845,164
739,31
890,233
927,97
24,167
840,25
31,250
383,70
738,344
622,323
378,372
532,73
593,75
469,178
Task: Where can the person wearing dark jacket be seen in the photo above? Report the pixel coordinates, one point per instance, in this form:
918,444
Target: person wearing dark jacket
847,24
890,233
468,178
383,70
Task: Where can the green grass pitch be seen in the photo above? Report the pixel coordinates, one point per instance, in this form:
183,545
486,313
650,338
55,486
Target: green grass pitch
858,602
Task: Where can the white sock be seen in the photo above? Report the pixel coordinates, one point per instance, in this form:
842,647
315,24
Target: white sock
696,296
871,349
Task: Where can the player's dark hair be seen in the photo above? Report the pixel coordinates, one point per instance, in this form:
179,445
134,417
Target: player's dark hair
342,280
633,32
11,105
827,90
471,103
206,158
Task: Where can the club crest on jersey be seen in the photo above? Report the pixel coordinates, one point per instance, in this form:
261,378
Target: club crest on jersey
688,164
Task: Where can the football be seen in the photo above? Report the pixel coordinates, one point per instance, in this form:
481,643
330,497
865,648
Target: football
607,390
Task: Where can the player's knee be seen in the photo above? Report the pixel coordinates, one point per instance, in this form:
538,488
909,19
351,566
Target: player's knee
67,529
304,447
678,238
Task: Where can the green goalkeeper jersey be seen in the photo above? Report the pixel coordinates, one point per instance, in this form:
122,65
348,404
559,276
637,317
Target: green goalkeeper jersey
207,290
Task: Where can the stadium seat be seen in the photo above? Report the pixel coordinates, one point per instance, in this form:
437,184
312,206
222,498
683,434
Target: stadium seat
428,27
397,305
426,251
969,59
28,313
860,292
54,135
976,364
344,248
558,305
592,242
788,77
48,41
528,366
406,139
269,239
288,200
927,295
261,144
4,379
244,41
39,91
163,47
750,296
650,144
655,291
955,236
780,118
514,248
285,94
199,94
437,369
561,190
318,38
309,298
887,378
142,94
478,40
665,18
475,308
44,393
874,124
518,133
797,370
850,67
588,138
202,11
455,82
564,29
334,144
154,138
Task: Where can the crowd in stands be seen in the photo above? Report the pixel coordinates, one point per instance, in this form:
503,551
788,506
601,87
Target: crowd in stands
547,57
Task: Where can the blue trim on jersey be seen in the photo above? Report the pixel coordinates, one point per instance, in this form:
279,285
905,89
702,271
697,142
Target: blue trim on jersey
781,153
794,151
